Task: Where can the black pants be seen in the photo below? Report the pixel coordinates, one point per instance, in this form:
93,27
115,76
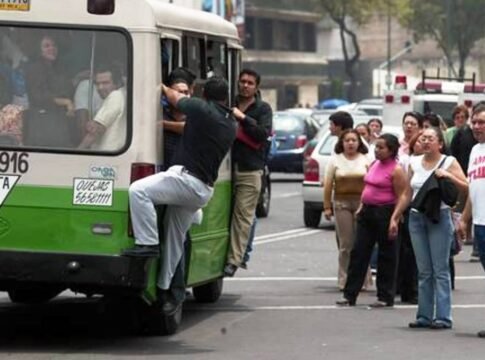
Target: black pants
373,226
407,274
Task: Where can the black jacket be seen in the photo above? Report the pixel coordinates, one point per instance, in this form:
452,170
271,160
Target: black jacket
461,146
258,125
428,199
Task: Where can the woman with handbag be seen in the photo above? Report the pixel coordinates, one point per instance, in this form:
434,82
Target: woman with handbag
431,228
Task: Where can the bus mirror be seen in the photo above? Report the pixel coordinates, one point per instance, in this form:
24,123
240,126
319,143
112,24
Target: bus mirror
101,7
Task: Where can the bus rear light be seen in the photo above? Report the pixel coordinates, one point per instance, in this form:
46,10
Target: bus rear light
101,7
405,99
468,103
312,170
139,171
389,99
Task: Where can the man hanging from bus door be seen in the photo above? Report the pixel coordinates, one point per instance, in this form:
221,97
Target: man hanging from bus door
208,135
255,119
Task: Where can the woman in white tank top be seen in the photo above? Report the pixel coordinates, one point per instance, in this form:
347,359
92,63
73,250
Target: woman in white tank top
431,241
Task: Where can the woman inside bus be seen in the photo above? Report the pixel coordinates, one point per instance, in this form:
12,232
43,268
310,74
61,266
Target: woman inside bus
51,111
432,240
382,204
344,177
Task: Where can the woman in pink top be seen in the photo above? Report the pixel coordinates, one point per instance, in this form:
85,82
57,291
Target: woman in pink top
382,204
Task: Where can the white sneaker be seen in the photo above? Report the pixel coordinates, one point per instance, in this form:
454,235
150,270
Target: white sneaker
198,216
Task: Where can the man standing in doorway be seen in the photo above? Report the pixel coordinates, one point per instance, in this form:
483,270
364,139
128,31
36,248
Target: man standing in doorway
255,119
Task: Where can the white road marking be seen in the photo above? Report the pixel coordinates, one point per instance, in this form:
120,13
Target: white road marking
321,307
287,195
292,231
296,278
284,235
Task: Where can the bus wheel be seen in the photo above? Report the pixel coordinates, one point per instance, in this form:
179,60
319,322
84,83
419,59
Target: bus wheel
156,323
35,295
208,293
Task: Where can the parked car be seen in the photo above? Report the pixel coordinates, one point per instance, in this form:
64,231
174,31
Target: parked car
292,132
312,187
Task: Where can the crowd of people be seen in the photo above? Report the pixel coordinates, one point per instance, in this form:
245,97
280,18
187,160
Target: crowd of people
416,198
62,89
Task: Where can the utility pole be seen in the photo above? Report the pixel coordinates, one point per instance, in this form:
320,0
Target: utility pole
388,76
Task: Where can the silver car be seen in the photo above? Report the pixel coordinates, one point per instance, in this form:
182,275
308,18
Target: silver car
314,170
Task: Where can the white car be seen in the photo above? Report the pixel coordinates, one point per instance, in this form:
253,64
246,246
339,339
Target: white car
314,170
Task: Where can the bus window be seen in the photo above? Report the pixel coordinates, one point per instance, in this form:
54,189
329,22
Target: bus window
216,58
194,55
234,61
60,79
169,57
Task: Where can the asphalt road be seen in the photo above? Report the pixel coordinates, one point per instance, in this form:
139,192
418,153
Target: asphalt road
282,307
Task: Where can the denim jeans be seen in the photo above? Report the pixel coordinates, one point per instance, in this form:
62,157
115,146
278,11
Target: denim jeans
431,244
479,240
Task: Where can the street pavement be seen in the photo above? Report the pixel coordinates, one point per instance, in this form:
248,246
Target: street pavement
282,307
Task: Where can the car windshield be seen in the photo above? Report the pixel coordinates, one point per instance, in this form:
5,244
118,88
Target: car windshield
288,123
328,145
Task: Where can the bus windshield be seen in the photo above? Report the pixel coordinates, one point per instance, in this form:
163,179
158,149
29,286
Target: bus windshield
63,89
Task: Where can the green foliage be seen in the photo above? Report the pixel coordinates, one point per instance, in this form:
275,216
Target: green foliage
454,24
337,88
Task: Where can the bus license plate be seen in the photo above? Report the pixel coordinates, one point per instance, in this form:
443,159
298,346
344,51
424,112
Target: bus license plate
18,5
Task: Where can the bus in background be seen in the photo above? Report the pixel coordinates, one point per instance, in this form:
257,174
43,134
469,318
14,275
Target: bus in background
64,212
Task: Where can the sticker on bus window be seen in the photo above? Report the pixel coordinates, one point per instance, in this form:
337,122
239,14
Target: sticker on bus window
103,172
93,192
7,183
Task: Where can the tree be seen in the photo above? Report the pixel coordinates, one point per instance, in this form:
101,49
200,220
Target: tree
453,24
345,13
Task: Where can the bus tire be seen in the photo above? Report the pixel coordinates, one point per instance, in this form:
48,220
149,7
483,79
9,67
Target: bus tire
210,292
35,295
155,322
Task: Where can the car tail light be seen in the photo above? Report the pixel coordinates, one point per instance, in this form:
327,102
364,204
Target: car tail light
405,99
389,99
308,151
139,171
312,172
301,140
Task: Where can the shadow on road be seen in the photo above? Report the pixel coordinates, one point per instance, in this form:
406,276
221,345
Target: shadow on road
87,326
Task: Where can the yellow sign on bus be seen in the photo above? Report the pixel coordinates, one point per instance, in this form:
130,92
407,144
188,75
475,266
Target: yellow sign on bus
18,5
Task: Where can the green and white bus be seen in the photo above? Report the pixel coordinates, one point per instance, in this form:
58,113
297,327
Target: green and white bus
64,212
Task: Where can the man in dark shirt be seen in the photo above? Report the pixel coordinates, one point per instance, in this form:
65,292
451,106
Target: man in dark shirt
186,186
254,117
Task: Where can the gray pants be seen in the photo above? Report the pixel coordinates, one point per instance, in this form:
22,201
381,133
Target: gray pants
184,194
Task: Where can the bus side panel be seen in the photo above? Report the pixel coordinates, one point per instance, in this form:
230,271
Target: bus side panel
210,240
44,219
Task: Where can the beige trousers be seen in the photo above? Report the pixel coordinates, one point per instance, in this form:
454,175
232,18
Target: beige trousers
345,217
247,186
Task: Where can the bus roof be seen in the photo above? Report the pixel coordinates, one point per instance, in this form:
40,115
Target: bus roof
133,15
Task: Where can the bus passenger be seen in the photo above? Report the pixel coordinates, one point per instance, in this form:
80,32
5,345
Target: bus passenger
49,92
208,135
107,131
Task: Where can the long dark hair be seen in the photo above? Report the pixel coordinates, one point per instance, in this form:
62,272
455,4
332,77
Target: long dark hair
339,147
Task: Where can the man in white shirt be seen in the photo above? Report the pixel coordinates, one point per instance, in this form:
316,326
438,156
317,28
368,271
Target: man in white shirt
107,131
475,206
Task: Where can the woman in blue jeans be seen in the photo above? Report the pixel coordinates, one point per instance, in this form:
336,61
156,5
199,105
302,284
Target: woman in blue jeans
431,239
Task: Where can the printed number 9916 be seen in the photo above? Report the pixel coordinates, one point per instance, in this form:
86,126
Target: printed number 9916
14,162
